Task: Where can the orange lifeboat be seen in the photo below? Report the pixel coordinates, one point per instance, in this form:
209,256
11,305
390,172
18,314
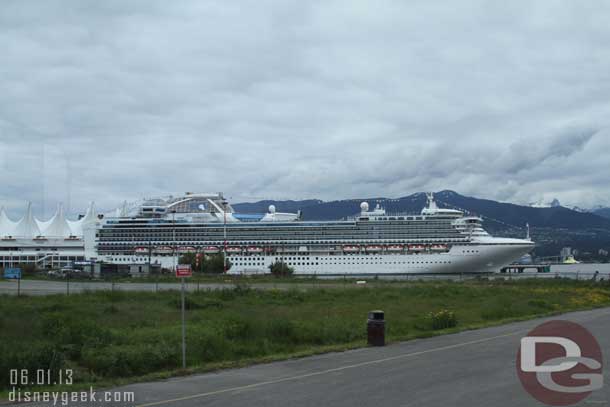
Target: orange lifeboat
351,249
417,248
438,247
233,249
140,250
374,249
395,248
211,250
255,249
163,250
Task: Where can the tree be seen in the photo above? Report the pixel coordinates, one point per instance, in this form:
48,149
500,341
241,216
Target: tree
212,264
281,269
188,258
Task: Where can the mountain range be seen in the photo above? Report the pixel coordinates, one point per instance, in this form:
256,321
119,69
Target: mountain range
496,214
603,212
552,227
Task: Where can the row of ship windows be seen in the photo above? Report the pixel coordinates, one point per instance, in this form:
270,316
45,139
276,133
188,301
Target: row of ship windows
251,256
341,262
295,262
258,231
258,238
431,228
242,228
259,242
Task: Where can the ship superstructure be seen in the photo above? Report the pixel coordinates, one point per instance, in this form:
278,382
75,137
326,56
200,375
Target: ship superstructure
437,240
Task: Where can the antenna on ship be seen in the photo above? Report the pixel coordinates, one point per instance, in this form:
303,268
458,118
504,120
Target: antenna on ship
527,228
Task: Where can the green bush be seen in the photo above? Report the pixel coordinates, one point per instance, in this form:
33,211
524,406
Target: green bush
281,269
442,319
211,264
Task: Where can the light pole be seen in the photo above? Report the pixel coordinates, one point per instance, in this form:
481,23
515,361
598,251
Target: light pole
182,294
174,239
224,250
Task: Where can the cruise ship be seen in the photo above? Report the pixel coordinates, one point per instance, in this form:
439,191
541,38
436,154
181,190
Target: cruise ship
434,241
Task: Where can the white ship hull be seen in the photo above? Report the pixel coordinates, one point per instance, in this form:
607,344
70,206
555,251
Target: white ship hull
478,258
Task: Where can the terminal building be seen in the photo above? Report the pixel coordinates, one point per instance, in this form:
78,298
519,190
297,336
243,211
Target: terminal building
52,243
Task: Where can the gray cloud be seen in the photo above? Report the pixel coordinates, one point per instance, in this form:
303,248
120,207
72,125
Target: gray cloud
117,100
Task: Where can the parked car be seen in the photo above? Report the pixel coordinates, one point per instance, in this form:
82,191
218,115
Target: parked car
55,273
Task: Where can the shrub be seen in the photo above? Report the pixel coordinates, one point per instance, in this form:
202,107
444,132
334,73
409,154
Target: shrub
281,269
212,264
442,319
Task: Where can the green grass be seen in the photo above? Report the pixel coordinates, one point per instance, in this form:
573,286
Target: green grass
115,337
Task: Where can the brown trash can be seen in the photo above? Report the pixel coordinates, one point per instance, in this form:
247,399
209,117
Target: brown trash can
375,328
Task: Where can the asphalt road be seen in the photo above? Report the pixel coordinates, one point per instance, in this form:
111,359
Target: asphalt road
474,368
47,287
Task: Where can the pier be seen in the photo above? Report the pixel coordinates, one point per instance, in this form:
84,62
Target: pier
520,268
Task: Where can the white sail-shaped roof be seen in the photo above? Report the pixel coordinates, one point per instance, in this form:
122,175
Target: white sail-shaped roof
27,227
58,225
43,224
90,217
121,211
7,226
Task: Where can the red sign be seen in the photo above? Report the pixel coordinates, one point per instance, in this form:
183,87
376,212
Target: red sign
184,270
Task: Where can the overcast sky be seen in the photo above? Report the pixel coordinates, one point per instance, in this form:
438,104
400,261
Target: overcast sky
118,100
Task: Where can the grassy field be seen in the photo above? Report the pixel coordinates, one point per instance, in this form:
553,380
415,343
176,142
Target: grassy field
114,337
